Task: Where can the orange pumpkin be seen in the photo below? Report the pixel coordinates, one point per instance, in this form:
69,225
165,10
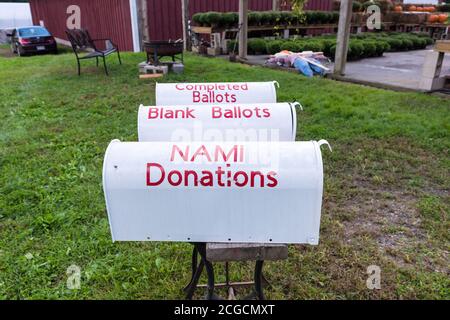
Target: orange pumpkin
412,8
443,17
432,9
433,18
398,8
420,9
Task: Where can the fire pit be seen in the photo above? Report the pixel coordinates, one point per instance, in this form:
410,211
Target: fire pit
157,49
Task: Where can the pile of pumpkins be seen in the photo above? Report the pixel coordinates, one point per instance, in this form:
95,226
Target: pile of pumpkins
433,18
438,18
422,9
399,8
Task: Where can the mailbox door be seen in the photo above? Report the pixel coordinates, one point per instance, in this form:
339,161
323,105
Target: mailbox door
215,93
193,205
233,122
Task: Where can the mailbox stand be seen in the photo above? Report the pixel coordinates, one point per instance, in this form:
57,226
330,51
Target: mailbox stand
232,252
125,191
431,78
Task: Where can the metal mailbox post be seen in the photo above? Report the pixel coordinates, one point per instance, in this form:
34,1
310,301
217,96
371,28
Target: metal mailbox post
215,93
254,192
233,122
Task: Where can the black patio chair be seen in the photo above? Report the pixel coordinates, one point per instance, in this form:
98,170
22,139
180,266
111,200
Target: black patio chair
82,42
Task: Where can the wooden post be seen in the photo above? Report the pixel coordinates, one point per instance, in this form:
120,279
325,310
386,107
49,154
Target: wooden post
185,20
243,24
345,17
276,5
143,21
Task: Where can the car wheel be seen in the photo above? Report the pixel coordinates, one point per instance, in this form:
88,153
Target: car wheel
20,51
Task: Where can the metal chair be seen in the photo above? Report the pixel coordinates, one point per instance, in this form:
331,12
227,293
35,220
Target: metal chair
81,42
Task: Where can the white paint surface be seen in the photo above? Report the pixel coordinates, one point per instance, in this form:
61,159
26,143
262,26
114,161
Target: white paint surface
233,122
134,26
140,209
15,15
215,93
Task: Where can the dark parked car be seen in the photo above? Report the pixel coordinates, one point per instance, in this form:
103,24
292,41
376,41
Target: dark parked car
34,39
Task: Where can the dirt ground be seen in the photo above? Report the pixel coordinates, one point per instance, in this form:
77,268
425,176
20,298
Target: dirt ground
6,52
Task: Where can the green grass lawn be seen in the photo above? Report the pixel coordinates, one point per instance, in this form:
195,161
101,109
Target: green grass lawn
386,198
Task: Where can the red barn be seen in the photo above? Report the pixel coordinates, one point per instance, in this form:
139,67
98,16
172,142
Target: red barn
118,19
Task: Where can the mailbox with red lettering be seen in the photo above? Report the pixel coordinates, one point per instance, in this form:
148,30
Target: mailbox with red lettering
215,93
231,122
214,191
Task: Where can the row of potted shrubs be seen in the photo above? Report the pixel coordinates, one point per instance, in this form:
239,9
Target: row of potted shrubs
361,45
282,18
261,18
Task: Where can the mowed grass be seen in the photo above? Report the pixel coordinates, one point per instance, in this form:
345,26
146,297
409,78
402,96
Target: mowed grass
386,198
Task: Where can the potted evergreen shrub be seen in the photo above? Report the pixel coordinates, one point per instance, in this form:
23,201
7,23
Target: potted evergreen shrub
213,19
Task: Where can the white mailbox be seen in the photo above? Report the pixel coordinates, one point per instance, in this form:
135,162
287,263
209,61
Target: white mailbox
215,93
267,192
231,122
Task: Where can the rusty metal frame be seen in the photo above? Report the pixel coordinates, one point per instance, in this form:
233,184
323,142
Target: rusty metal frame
258,282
